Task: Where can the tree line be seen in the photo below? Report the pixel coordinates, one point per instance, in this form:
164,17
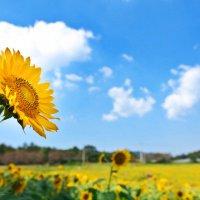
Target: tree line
34,154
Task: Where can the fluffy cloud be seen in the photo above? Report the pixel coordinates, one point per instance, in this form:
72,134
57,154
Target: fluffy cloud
106,71
50,45
93,89
72,81
144,90
126,105
68,81
127,82
185,91
57,81
73,77
70,85
127,57
89,79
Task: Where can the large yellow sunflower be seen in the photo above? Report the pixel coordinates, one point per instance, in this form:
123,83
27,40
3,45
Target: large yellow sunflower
22,96
121,158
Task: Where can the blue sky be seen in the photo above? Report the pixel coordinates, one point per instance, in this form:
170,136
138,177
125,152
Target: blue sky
126,72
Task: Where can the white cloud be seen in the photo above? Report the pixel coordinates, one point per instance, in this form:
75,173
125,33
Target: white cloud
174,71
106,71
73,77
127,82
93,89
127,57
144,90
110,117
70,118
171,83
70,85
126,105
71,81
50,45
184,67
185,91
89,79
57,81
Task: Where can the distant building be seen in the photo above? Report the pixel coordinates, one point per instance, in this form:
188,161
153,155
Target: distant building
142,157
157,157
186,160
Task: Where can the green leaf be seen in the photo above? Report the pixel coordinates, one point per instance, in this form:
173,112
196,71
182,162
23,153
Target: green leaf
6,117
7,114
21,123
1,109
107,196
98,181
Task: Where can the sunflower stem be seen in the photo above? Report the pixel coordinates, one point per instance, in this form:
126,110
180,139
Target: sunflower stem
110,177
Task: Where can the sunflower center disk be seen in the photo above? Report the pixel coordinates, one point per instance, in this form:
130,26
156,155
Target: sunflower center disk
86,197
26,97
120,158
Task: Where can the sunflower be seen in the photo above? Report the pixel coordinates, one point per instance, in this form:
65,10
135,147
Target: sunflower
19,186
121,158
2,181
57,183
22,96
86,195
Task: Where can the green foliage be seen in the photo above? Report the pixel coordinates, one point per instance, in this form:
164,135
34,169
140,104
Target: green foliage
44,190
193,156
106,196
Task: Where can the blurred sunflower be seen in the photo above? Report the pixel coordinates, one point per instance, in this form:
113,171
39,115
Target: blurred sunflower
86,195
179,194
22,96
2,181
19,186
121,158
57,183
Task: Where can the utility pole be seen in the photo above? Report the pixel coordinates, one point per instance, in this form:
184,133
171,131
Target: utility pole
142,157
83,156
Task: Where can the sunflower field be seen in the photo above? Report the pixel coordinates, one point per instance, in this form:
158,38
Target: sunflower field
92,182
